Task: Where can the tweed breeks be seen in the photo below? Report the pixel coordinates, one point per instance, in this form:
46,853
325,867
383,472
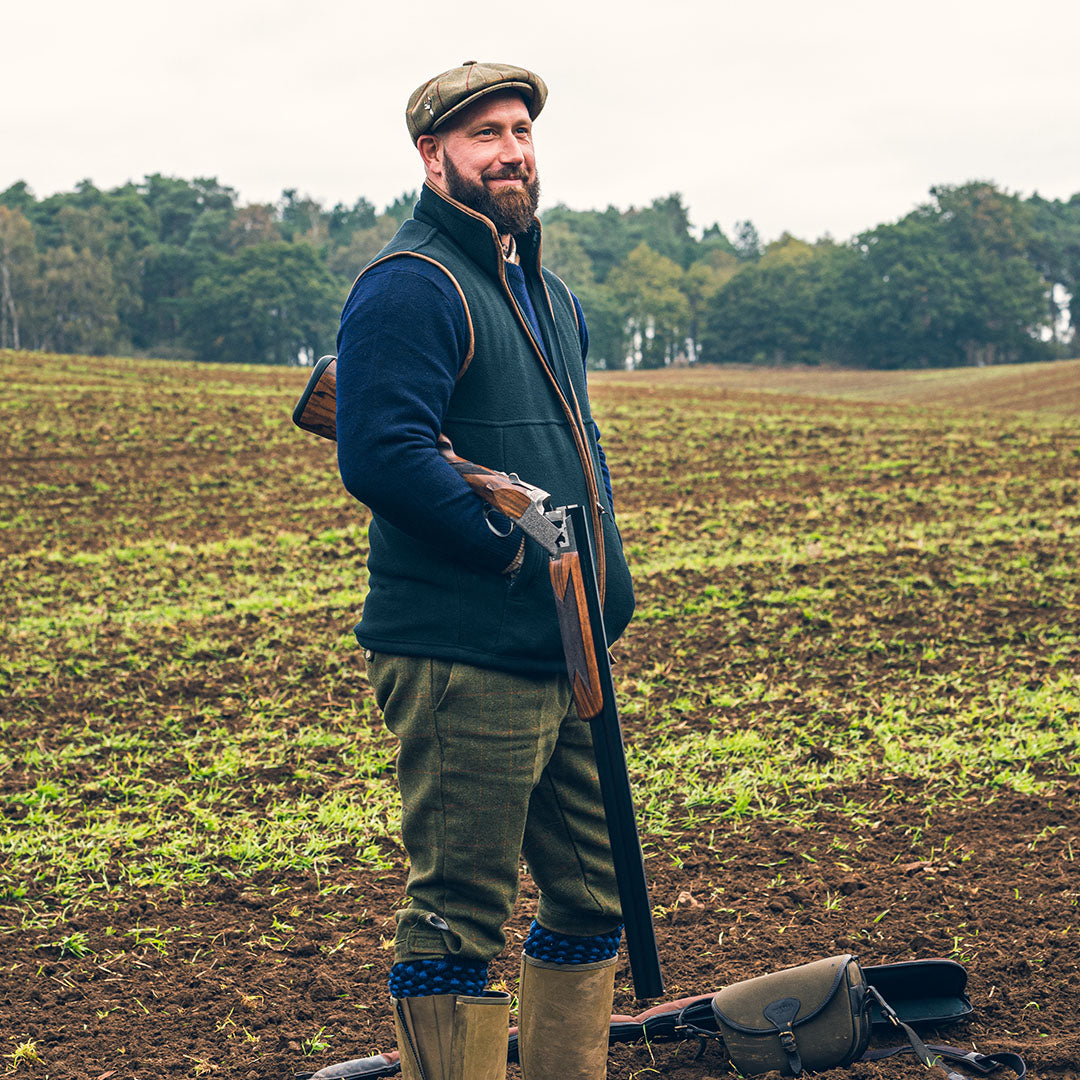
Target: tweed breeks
492,767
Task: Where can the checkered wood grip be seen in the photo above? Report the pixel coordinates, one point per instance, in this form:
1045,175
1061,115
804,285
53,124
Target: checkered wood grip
493,487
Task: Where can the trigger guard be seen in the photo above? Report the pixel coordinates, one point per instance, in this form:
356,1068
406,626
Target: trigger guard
487,520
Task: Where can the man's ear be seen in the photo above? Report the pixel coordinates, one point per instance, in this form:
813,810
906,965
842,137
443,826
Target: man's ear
431,154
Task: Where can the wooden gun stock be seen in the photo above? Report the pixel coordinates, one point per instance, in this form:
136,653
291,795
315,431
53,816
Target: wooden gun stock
579,640
317,408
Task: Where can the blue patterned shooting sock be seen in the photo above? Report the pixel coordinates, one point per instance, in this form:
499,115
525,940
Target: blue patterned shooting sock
425,978
553,948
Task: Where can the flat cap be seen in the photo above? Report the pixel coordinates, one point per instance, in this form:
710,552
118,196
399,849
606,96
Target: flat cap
435,101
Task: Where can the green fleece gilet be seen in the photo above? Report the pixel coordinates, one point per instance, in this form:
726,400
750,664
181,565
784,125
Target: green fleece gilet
507,413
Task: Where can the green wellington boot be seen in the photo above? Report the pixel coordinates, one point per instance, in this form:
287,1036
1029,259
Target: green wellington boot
453,1036
565,1016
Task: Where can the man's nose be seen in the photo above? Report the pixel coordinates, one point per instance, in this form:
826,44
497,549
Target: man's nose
510,151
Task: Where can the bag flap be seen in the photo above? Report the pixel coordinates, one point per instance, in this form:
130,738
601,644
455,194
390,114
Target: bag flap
921,991
799,992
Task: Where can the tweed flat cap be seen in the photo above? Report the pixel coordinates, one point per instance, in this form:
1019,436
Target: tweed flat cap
438,99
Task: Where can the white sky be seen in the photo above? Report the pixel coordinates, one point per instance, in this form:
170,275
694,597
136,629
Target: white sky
813,117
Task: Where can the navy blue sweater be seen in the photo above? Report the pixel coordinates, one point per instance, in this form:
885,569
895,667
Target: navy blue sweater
403,338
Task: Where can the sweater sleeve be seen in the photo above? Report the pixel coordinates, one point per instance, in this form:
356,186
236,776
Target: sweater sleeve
403,338
584,357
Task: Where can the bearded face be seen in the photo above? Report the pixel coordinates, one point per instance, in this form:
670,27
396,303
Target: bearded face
511,208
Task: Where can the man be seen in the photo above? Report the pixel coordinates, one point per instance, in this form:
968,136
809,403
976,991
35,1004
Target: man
456,328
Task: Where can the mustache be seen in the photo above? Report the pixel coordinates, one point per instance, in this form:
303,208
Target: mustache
512,172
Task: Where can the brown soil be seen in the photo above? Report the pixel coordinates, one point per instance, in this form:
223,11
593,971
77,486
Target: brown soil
231,991
238,977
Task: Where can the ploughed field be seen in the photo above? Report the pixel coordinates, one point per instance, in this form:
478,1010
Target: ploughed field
851,696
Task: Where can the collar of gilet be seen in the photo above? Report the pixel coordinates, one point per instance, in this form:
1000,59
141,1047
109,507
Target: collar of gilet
475,234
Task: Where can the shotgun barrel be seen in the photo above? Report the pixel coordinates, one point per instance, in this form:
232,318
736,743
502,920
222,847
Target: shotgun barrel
581,622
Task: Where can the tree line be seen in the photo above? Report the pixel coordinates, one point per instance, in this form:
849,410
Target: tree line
175,268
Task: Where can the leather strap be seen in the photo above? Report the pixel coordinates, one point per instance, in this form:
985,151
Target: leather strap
923,1053
984,1064
782,1014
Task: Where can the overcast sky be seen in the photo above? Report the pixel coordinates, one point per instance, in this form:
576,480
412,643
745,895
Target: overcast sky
812,117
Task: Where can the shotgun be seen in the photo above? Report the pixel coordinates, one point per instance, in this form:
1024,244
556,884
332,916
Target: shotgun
564,533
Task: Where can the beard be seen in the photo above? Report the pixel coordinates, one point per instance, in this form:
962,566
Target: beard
511,212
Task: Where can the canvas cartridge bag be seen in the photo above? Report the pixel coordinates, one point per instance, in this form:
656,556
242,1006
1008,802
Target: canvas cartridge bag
820,1015
814,1016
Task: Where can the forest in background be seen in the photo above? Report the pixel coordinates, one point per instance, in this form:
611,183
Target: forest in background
181,268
